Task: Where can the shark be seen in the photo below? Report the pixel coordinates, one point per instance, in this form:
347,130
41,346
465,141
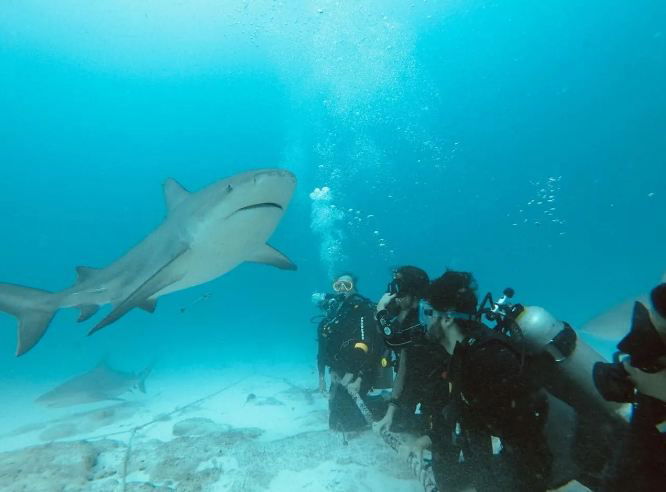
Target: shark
614,324
204,235
99,384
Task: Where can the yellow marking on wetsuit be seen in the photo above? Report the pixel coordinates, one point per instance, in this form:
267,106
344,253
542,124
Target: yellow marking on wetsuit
362,346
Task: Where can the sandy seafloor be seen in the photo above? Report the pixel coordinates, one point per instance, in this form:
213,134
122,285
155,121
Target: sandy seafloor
194,430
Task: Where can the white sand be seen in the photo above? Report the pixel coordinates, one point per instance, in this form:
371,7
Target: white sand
278,440
194,430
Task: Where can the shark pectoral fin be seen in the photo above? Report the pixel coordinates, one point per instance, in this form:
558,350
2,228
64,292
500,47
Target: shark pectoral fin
87,311
174,193
141,296
268,255
149,305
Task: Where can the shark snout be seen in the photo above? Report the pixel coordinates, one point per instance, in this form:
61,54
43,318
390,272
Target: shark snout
271,174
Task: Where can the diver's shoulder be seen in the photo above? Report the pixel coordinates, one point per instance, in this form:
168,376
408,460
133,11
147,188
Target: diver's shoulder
358,301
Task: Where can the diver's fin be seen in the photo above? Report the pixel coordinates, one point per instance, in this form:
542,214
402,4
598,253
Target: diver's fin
156,282
34,309
149,305
83,273
87,311
174,193
268,255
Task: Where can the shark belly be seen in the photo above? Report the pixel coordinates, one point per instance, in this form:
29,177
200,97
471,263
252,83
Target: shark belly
221,245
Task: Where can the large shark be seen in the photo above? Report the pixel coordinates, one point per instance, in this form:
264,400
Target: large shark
204,235
614,324
100,384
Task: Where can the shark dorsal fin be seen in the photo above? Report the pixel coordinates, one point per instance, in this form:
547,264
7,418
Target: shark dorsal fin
83,273
174,193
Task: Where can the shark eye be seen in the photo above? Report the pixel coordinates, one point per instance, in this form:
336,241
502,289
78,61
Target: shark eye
229,188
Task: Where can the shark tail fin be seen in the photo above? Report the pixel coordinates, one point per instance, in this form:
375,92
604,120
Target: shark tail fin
143,375
34,309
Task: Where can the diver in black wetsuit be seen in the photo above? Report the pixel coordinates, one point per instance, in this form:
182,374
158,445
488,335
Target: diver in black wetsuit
491,395
639,463
349,346
421,363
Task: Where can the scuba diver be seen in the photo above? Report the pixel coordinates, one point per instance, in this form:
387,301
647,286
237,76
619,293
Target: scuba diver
537,365
421,364
348,344
638,376
491,395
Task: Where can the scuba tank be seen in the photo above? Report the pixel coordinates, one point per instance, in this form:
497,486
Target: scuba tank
566,360
560,359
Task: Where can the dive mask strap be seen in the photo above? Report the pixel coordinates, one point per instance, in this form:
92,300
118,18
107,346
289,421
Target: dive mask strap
427,312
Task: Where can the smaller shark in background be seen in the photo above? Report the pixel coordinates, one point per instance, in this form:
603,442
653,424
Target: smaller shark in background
100,384
205,234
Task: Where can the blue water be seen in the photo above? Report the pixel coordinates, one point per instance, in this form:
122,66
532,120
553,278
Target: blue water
442,129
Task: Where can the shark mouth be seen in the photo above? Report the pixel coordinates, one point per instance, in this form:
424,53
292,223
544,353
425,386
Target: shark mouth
260,205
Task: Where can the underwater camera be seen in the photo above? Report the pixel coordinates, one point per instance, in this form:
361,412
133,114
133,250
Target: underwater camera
643,347
395,333
327,302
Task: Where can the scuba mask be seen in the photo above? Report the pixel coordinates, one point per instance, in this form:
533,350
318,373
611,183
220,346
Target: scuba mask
343,286
427,313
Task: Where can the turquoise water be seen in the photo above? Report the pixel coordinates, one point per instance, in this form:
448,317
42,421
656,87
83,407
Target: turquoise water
522,141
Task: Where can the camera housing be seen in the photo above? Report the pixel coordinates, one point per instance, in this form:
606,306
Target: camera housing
645,349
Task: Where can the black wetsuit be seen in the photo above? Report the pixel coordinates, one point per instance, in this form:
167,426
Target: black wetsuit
426,383
640,460
348,343
492,395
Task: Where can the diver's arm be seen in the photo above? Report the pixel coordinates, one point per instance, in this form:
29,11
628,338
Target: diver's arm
358,352
399,383
396,391
650,384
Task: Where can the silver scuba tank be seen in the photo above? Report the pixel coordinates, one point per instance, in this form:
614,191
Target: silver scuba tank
569,375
